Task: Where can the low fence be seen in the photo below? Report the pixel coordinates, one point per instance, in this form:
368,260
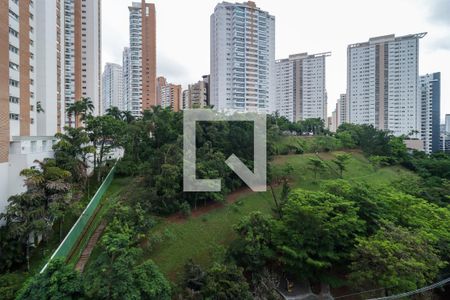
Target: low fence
82,224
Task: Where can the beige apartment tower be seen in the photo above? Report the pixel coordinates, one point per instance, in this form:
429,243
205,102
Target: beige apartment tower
148,55
142,60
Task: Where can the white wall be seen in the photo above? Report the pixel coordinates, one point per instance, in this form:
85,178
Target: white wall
22,155
3,186
46,72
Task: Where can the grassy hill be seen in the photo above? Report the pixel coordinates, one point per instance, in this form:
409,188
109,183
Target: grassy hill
204,235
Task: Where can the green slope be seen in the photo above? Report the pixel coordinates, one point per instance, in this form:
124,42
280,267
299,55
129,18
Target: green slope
203,237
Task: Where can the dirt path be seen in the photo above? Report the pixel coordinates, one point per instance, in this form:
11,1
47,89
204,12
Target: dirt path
231,198
89,247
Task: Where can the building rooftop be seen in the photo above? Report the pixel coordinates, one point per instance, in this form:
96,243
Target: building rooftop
388,38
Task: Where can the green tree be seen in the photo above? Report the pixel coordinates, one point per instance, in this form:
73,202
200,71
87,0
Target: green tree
72,151
316,231
346,139
225,282
104,132
316,165
194,279
254,246
26,218
114,112
11,251
151,283
116,273
379,161
341,162
394,258
58,281
80,110
52,184
127,116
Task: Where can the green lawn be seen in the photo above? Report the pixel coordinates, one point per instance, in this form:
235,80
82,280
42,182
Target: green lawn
203,237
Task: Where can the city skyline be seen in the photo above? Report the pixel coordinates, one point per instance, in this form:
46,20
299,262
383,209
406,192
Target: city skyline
180,63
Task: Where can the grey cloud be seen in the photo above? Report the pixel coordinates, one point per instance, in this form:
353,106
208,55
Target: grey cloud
439,11
171,69
442,43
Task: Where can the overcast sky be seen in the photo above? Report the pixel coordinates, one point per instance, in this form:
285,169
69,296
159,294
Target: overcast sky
301,26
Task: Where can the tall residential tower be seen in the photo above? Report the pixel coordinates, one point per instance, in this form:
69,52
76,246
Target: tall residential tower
142,58
382,83
82,53
300,86
112,91
430,95
49,58
242,58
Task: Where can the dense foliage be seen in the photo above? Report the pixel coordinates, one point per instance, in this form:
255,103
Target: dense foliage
338,233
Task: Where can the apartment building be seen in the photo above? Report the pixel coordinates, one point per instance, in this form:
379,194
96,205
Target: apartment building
430,95
197,94
242,58
171,96
161,81
19,108
185,99
112,91
142,58
49,51
382,83
341,110
447,123
126,79
81,34
284,89
301,86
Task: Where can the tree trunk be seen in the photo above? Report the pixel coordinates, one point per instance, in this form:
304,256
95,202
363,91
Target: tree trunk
28,253
61,222
277,205
100,161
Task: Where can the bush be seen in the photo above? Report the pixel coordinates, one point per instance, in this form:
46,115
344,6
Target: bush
126,168
185,209
10,283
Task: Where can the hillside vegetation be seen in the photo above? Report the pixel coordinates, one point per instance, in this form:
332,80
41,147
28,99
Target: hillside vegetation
336,206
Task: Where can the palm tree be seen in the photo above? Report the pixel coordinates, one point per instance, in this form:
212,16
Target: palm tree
88,107
114,111
72,151
24,216
80,109
127,116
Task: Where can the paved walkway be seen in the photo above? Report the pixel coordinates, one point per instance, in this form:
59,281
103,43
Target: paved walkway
89,247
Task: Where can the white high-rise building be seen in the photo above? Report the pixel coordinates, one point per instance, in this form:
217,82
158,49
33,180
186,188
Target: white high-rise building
242,58
82,53
142,58
382,83
284,89
447,123
300,86
49,57
341,110
430,98
126,79
49,66
135,55
112,92
21,91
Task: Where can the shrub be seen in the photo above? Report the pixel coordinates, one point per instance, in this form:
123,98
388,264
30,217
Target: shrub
185,209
